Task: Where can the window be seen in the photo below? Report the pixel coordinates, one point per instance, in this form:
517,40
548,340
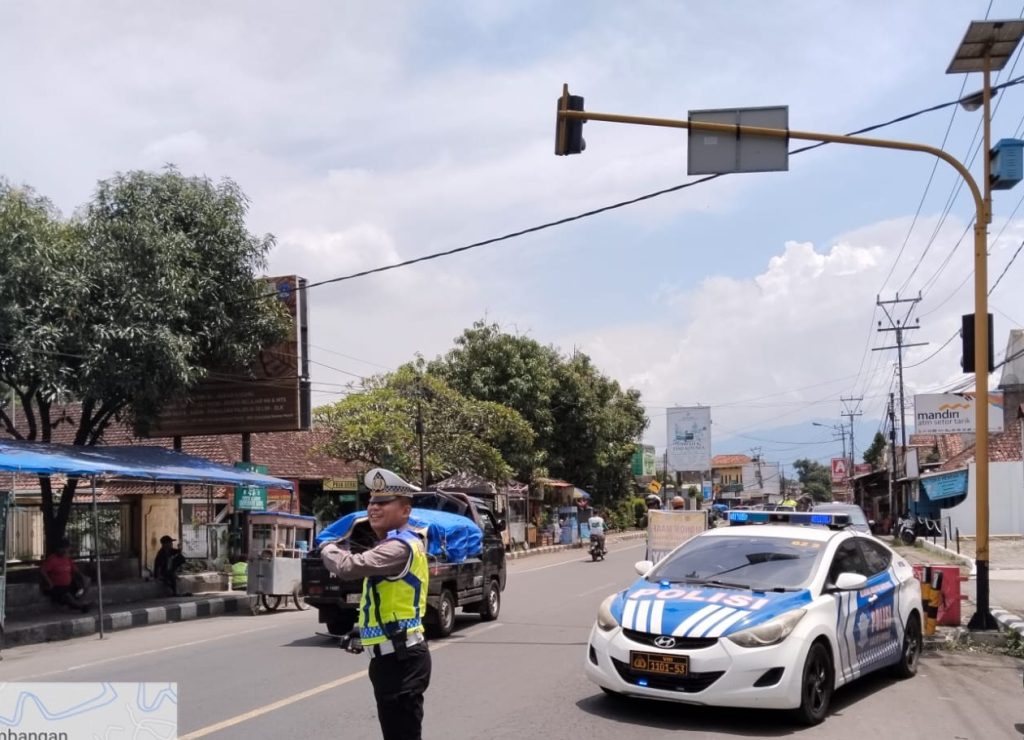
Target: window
877,556
848,559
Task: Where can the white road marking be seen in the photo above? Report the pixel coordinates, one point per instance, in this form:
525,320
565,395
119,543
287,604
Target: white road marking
603,587
574,560
315,691
154,651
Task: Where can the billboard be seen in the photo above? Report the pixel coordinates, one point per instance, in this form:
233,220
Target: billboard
953,413
275,399
643,460
689,439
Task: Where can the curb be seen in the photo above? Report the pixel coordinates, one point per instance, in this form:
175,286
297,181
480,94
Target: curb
578,546
1008,621
940,550
121,620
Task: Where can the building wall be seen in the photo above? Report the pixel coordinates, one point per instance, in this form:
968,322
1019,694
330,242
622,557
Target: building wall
1006,501
159,517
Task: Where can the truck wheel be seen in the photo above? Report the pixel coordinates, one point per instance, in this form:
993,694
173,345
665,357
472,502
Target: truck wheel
341,626
491,604
442,620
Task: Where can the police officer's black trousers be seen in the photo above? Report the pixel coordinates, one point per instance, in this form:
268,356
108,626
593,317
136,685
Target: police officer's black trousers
398,687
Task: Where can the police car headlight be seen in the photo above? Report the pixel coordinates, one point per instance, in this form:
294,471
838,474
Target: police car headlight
771,632
605,618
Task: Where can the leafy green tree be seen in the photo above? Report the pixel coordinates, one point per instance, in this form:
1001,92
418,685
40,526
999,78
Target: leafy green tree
873,454
815,478
459,434
586,425
124,306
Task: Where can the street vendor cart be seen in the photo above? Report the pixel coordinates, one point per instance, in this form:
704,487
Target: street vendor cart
277,544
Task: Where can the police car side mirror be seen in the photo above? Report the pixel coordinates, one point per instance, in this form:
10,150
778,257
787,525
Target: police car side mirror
849,582
643,567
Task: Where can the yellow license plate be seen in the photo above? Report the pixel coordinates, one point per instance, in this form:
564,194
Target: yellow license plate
658,664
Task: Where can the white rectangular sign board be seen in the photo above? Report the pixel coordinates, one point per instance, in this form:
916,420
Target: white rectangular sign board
689,439
666,530
953,413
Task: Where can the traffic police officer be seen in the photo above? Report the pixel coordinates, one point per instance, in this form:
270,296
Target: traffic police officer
392,605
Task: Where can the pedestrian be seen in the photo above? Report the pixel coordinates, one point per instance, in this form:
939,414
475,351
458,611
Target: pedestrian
392,605
167,562
61,579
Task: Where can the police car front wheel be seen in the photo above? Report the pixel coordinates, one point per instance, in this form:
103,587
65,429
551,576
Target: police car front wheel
817,685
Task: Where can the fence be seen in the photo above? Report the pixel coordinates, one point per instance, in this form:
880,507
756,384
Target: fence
26,538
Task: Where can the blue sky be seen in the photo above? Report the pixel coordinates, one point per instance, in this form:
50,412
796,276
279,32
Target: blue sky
368,134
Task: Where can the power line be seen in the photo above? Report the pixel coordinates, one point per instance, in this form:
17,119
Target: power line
614,206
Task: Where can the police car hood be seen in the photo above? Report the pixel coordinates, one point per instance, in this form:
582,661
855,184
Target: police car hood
684,610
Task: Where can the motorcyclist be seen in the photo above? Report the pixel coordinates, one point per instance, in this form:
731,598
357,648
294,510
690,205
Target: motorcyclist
678,502
597,528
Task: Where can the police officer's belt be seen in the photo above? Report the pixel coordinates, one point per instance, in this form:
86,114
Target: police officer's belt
386,648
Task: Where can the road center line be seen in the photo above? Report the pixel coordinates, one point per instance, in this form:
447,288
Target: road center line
315,691
610,584
141,653
575,560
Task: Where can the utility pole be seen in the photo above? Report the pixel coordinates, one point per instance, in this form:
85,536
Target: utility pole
892,455
851,409
899,326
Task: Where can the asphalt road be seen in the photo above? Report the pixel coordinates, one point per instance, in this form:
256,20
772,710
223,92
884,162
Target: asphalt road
271,676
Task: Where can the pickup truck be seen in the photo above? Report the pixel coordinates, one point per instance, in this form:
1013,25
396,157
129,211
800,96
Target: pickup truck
475,584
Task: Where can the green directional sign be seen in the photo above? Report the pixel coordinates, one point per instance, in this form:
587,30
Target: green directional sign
251,498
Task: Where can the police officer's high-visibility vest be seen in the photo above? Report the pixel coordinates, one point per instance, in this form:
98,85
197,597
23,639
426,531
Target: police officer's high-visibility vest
240,574
395,603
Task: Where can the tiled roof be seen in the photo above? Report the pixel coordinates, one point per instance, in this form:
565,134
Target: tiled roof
290,455
729,461
955,454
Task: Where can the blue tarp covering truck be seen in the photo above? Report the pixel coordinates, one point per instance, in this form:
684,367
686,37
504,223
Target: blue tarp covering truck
467,563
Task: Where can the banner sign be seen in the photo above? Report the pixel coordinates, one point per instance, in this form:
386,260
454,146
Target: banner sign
840,469
643,460
689,439
953,413
251,498
666,530
945,485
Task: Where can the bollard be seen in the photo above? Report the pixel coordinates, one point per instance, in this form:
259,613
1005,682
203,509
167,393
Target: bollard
926,600
934,599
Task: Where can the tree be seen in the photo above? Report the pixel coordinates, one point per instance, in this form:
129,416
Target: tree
106,316
586,425
815,478
459,434
873,454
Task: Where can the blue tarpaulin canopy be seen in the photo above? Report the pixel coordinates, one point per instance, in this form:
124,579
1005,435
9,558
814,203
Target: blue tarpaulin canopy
135,462
452,537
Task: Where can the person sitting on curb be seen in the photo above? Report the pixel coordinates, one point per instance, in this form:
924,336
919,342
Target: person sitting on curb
62,581
167,563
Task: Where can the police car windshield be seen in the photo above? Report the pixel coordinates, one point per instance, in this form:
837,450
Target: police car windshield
757,563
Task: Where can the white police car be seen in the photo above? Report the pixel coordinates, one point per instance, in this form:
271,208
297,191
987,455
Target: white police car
776,615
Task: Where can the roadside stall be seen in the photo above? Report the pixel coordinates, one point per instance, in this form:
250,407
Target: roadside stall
277,544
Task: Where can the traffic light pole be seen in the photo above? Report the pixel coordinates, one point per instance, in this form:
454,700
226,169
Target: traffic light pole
983,617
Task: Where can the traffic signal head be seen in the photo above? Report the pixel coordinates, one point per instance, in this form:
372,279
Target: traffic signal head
569,131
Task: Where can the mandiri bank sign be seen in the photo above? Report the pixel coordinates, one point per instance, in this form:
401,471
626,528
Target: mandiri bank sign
953,413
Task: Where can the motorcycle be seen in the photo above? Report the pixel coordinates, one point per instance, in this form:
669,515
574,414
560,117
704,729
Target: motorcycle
597,551
905,530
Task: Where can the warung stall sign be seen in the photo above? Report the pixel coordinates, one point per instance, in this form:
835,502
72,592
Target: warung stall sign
953,413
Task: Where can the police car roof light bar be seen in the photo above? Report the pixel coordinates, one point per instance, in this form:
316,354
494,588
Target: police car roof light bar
805,518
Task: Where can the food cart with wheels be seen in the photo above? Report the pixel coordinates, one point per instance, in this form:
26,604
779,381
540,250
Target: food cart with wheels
277,544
